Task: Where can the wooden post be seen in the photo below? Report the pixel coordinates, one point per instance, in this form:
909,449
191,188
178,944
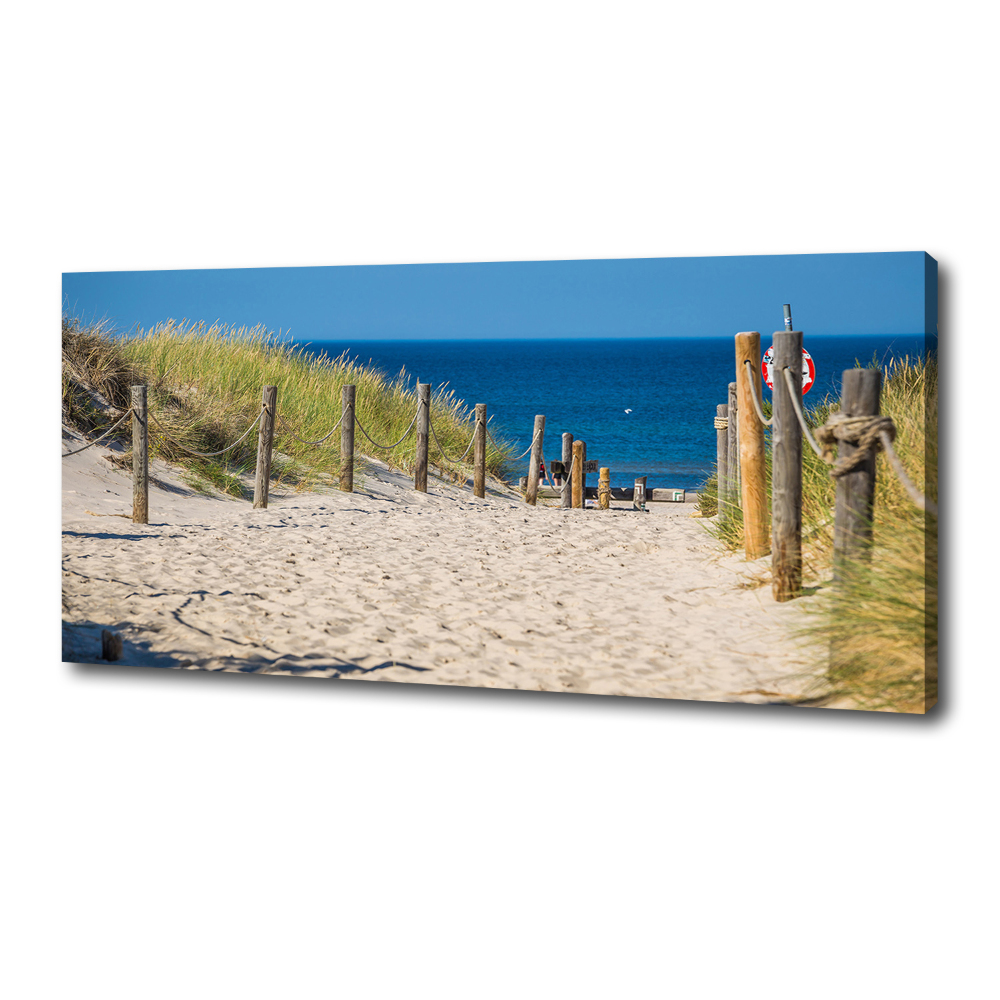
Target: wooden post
604,489
855,495
721,458
347,438
577,474
479,453
265,442
535,460
567,457
786,471
733,453
423,426
111,644
753,472
140,456
583,476
639,494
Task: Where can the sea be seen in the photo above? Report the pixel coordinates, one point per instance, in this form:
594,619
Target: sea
644,406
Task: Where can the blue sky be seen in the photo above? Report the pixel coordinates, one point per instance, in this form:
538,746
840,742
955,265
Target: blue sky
865,293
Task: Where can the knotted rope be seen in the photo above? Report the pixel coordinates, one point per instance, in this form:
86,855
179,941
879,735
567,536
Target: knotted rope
863,432
868,434
721,423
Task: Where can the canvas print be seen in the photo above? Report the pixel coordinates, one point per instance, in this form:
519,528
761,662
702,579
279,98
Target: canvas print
707,479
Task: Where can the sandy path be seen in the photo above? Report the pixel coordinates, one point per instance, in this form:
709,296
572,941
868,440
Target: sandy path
389,584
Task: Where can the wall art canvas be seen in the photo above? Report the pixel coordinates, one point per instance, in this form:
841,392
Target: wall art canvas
708,479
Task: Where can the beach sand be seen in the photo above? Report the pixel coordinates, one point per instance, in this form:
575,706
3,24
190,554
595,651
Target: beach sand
439,588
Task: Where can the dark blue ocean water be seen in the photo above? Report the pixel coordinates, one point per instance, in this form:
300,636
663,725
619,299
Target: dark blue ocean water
671,385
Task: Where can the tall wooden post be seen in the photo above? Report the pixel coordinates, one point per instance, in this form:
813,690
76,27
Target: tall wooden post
479,453
721,461
567,458
140,456
265,444
423,426
577,474
786,470
583,475
855,495
753,472
347,438
733,453
535,460
604,489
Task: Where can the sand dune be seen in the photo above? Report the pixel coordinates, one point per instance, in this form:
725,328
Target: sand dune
442,588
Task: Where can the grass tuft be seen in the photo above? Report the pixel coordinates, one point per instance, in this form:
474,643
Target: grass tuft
205,385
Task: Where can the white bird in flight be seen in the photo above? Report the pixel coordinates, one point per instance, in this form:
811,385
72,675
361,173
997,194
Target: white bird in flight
628,411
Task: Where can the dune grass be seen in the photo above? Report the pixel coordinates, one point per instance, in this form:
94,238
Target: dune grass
205,385
878,627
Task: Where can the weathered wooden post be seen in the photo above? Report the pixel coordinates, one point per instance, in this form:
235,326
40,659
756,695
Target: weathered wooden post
733,452
140,456
577,473
111,644
265,443
479,453
347,438
639,493
583,476
604,489
721,458
423,426
753,473
567,457
855,494
535,460
786,470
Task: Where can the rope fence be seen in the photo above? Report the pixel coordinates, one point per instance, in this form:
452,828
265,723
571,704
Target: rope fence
847,442
207,454
457,461
387,447
766,421
320,441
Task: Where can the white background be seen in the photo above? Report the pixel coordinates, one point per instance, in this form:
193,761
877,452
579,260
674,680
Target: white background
202,836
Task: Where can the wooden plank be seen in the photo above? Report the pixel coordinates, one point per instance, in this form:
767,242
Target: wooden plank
535,459
479,453
423,426
265,445
625,493
786,471
347,395
855,493
752,468
140,456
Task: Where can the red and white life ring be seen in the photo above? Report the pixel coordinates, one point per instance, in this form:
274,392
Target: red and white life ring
808,369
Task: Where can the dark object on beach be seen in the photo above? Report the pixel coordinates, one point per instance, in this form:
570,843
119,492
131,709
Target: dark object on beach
558,472
788,316
111,645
